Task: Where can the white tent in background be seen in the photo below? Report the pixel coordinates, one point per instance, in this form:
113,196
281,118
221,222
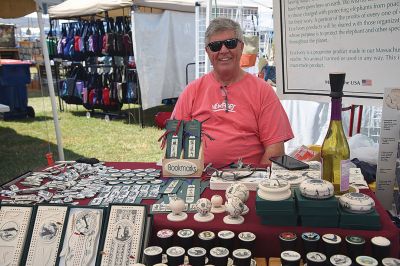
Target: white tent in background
75,8
13,9
164,42
78,8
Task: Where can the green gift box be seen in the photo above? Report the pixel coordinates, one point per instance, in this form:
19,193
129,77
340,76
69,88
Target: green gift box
268,205
280,220
331,220
276,212
362,221
314,207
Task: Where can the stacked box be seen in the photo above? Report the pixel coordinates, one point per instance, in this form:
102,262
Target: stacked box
362,221
282,213
317,213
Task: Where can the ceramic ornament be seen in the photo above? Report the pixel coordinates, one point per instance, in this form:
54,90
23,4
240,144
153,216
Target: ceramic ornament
274,190
316,189
217,204
203,207
177,205
234,207
355,202
240,191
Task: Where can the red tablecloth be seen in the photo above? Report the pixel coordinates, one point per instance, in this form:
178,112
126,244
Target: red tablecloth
267,244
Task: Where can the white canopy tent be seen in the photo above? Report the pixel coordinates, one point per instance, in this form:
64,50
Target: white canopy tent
164,44
75,8
78,8
157,38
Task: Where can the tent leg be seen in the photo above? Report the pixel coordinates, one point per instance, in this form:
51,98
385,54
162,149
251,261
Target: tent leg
50,82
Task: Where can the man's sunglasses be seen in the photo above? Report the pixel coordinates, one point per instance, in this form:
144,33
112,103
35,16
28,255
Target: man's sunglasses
217,45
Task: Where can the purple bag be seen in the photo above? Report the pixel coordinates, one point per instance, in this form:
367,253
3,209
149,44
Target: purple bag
79,88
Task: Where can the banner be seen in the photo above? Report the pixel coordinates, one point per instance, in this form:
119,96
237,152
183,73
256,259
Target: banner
389,148
314,38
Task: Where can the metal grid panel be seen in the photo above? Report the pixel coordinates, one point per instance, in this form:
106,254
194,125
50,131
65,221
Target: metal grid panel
373,125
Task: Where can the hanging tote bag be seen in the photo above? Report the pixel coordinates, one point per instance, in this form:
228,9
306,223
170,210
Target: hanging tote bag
72,87
51,41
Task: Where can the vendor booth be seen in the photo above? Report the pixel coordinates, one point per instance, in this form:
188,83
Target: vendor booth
183,211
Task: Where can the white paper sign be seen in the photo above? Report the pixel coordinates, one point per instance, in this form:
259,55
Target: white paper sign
314,38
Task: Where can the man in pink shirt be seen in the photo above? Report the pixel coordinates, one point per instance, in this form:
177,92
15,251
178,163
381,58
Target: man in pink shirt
239,111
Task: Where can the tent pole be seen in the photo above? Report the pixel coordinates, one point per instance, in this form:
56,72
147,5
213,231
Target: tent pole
197,38
50,82
207,66
141,118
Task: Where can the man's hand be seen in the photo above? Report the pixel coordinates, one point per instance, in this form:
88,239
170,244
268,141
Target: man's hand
272,150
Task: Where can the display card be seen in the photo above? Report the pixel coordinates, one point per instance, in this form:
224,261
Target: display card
46,235
125,235
82,236
14,226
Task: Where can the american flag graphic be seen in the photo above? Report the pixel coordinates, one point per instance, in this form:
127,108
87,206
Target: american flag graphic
366,82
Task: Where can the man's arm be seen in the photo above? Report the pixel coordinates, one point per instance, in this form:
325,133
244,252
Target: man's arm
272,150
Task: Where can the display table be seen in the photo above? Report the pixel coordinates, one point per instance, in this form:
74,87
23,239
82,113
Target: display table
267,243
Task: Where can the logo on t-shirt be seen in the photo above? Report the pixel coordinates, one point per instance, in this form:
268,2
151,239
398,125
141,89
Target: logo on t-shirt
216,107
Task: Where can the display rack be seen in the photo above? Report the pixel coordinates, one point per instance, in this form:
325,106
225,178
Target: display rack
99,62
30,50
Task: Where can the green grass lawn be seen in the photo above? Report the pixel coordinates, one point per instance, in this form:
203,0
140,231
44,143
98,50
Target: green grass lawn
25,142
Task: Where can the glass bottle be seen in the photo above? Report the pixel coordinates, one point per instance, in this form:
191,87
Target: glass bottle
335,152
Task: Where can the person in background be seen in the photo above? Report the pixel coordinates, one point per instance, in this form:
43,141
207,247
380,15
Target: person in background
241,112
267,71
262,63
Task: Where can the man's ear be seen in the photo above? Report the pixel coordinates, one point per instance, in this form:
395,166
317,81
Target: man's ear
242,45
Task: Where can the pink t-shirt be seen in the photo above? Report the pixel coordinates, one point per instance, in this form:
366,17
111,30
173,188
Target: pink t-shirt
255,117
